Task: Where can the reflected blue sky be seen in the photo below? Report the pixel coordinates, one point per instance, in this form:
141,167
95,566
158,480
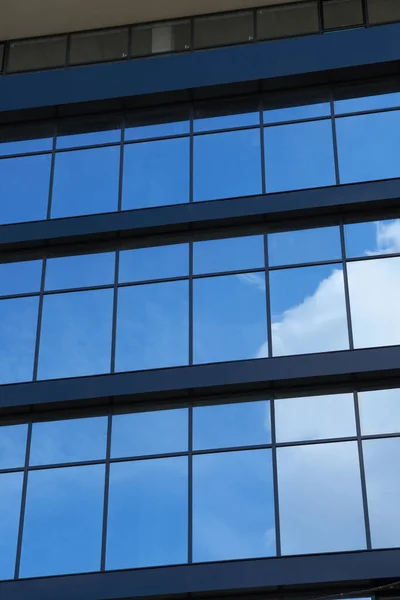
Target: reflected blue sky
91,138
231,254
374,237
304,245
296,113
380,411
10,506
158,262
13,446
24,146
227,121
85,270
379,101
20,277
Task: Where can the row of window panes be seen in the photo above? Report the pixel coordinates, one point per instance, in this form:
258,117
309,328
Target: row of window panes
233,491
296,18
307,303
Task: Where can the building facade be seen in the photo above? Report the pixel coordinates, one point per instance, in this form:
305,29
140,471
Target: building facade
200,300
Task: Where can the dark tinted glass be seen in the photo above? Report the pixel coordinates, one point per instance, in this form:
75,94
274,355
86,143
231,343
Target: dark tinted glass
223,29
10,506
154,39
227,114
158,262
89,131
381,11
342,13
86,270
284,21
304,245
20,277
296,113
37,54
22,139
231,254
99,46
1,56
366,97
157,123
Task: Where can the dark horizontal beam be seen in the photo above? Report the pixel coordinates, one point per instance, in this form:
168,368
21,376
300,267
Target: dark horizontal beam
258,575
252,62
204,215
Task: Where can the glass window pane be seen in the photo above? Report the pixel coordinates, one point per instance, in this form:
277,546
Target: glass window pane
89,131
12,446
320,502
63,521
24,188
299,156
223,29
383,11
155,432
314,418
148,513
296,113
366,97
308,310
18,324
229,425
231,254
342,13
73,440
86,182
156,173
374,237
158,262
153,326
76,334
227,165
229,315
21,139
10,507
37,54
381,460
374,301
285,21
233,506
227,114
368,146
1,56
84,270
99,46
20,277
304,245
166,37
160,122
379,411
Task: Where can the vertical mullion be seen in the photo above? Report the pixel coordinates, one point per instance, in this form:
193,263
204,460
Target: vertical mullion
121,163
68,50
275,479
255,33
334,139
115,313
190,303
364,6
262,146
52,169
23,502
106,495
39,321
190,485
320,9
346,287
268,296
362,473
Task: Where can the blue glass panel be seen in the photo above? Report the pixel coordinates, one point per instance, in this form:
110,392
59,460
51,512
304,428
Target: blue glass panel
155,432
90,138
18,324
63,521
159,262
229,315
320,501
226,121
153,326
24,188
380,411
162,122
297,113
20,277
232,254
227,165
84,270
305,245
148,513
76,334
233,506
299,156
377,102
25,146
156,173
308,310
369,146
13,446
86,182
73,440
375,237
10,507
229,425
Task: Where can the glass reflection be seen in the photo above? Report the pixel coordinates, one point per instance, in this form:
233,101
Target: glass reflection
72,440
18,324
68,138
368,146
291,163
327,514
63,521
229,318
147,513
375,237
24,188
162,122
227,165
373,102
76,334
85,270
156,173
232,254
229,425
233,506
20,277
158,262
308,310
10,506
13,446
85,182
155,432
26,138
305,245
383,491
314,418
153,326
225,115
374,300
379,411
297,113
